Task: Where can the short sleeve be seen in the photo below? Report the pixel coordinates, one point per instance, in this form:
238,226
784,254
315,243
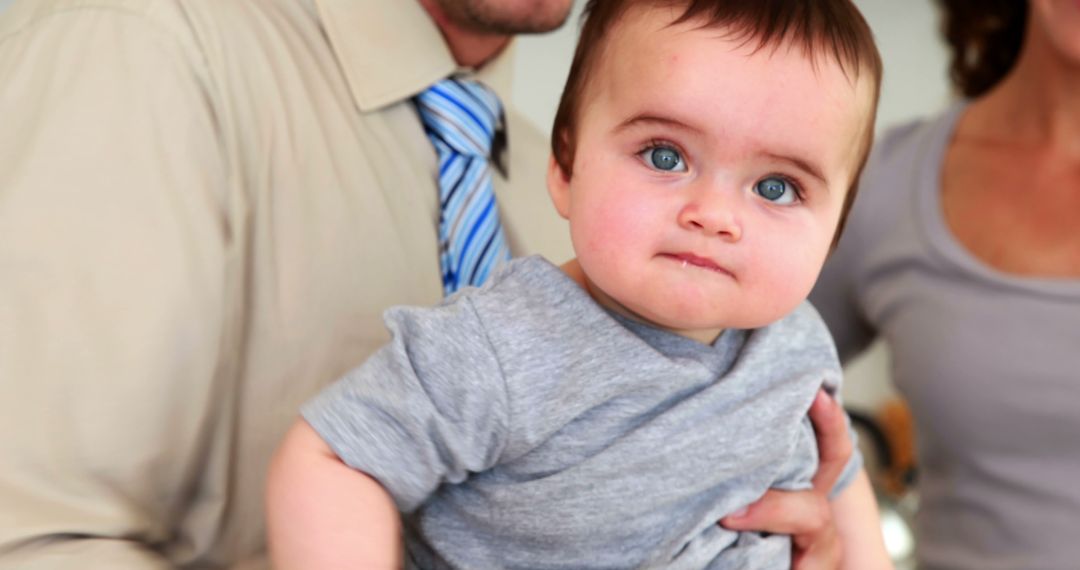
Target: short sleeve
429,407
801,468
854,464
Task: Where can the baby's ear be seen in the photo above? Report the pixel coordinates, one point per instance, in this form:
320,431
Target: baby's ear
558,183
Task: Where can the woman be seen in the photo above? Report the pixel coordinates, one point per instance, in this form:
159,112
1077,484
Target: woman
963,253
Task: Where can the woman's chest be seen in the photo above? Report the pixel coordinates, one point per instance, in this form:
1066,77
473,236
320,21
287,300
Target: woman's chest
1014,209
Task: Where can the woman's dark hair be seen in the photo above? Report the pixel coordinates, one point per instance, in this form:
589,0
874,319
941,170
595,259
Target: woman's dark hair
985,37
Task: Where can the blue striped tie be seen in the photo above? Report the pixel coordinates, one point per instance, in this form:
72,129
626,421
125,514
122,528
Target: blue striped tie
461,117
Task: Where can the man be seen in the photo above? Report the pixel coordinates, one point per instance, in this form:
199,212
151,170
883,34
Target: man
205,207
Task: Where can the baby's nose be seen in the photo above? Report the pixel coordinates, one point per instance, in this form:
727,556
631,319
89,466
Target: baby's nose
713,212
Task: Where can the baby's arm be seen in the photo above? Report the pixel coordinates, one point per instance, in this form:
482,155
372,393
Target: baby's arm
856,515
323,514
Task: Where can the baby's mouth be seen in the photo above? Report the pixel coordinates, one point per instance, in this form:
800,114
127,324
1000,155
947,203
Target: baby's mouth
688,259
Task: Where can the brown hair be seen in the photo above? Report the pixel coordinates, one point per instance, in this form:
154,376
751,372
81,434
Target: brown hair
985,37
835,26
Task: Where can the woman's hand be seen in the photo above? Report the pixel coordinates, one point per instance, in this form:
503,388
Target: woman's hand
807,515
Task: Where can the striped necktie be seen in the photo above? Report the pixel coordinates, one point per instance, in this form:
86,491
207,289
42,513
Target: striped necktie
461,118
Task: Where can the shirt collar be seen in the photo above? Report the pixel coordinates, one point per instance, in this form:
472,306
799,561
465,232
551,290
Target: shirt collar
390,50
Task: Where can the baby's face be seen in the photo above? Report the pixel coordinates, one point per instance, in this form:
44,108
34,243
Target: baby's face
708,177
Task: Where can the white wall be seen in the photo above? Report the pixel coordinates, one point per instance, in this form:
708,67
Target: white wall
914,85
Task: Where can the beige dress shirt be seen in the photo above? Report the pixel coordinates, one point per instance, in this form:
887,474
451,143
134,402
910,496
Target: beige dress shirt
205,206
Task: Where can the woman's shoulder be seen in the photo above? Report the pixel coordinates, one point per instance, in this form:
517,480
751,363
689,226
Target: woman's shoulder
904,162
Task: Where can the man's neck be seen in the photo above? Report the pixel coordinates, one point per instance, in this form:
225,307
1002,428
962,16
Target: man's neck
470,48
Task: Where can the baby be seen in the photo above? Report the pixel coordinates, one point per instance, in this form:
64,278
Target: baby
608,412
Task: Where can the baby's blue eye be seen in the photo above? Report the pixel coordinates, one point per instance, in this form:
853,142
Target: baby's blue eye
664,158
776,190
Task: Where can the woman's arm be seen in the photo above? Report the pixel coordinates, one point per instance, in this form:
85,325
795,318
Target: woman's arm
859,526
323,514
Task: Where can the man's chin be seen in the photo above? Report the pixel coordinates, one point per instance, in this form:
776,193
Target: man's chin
508,17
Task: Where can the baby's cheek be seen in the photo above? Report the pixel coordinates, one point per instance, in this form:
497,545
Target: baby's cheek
597,247
594,240
790,283
609,227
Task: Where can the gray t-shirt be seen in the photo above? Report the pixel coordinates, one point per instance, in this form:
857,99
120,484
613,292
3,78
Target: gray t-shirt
523,426
989,363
